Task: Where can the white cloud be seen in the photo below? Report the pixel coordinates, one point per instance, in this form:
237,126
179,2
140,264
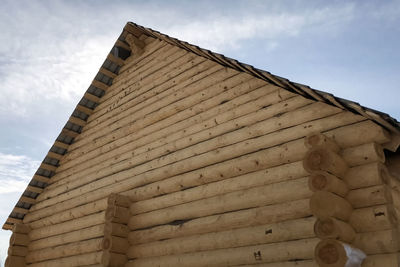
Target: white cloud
222,32
15,172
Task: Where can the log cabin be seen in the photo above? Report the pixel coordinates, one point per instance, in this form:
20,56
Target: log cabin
178,156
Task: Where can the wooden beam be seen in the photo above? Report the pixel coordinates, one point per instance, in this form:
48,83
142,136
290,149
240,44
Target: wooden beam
108,73
13,220
34,189
48,167
77,121
86,110
91,97
20,210
41,178
61,144
100,85
7,226
115,59
69,133
28,200
123,45
133,30
54,155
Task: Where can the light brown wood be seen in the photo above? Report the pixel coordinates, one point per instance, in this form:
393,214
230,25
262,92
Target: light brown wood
18,239
316,140
332,253
21,228
364,154
115,244
232,220
321,159
379,260
294,263
369,196
374,218
322,180
275,252
100,85
116,229
263,234
253,197
15,261
366,175
67,250
77,260
332,228
325,204
378,242
61,144
77,121
21,251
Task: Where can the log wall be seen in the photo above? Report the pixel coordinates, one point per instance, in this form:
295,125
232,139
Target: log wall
208,163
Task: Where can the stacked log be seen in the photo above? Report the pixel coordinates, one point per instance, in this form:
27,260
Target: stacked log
329,203
18,248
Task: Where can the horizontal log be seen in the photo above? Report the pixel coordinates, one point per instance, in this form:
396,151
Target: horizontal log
70,237
17,251
18,239
118,200
15,261
71,249
364,154
321,159
333,253
325,204
381,217
332,228
258,178
68,226
378,242
283,251
113,259
263,234
21,228
319,140
379,260
221,222
249,198
366,175
293,263
116,229
321,180
77,260
369,196
115,244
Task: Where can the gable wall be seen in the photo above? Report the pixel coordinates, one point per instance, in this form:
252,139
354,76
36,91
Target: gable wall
206,154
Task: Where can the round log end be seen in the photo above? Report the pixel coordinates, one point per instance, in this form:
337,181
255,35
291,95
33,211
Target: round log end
330,253
317,181
325,204
106,244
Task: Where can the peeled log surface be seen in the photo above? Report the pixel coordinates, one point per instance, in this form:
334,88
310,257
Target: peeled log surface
78,260
321,159
283,251
75,236
21,228
386,241
115,244
364,154
68,226
316,140
321,180
17,251
258,178
263,234
382,260
374,218
325,204
294,263
333,253
366,175
15,261
67,250
249,198
221,222
370,196
332,228
118,200
116,229
369,130
19,239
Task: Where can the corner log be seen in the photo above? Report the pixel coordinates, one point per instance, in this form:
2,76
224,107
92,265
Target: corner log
332,228
322,180
319,140
325,205
321,159
333,253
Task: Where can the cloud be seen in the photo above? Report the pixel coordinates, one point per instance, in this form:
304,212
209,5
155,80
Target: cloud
222,32
15,172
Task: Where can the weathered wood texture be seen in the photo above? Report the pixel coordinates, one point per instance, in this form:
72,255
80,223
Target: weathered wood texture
209,165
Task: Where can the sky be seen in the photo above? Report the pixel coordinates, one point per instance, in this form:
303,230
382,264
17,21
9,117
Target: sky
50,52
